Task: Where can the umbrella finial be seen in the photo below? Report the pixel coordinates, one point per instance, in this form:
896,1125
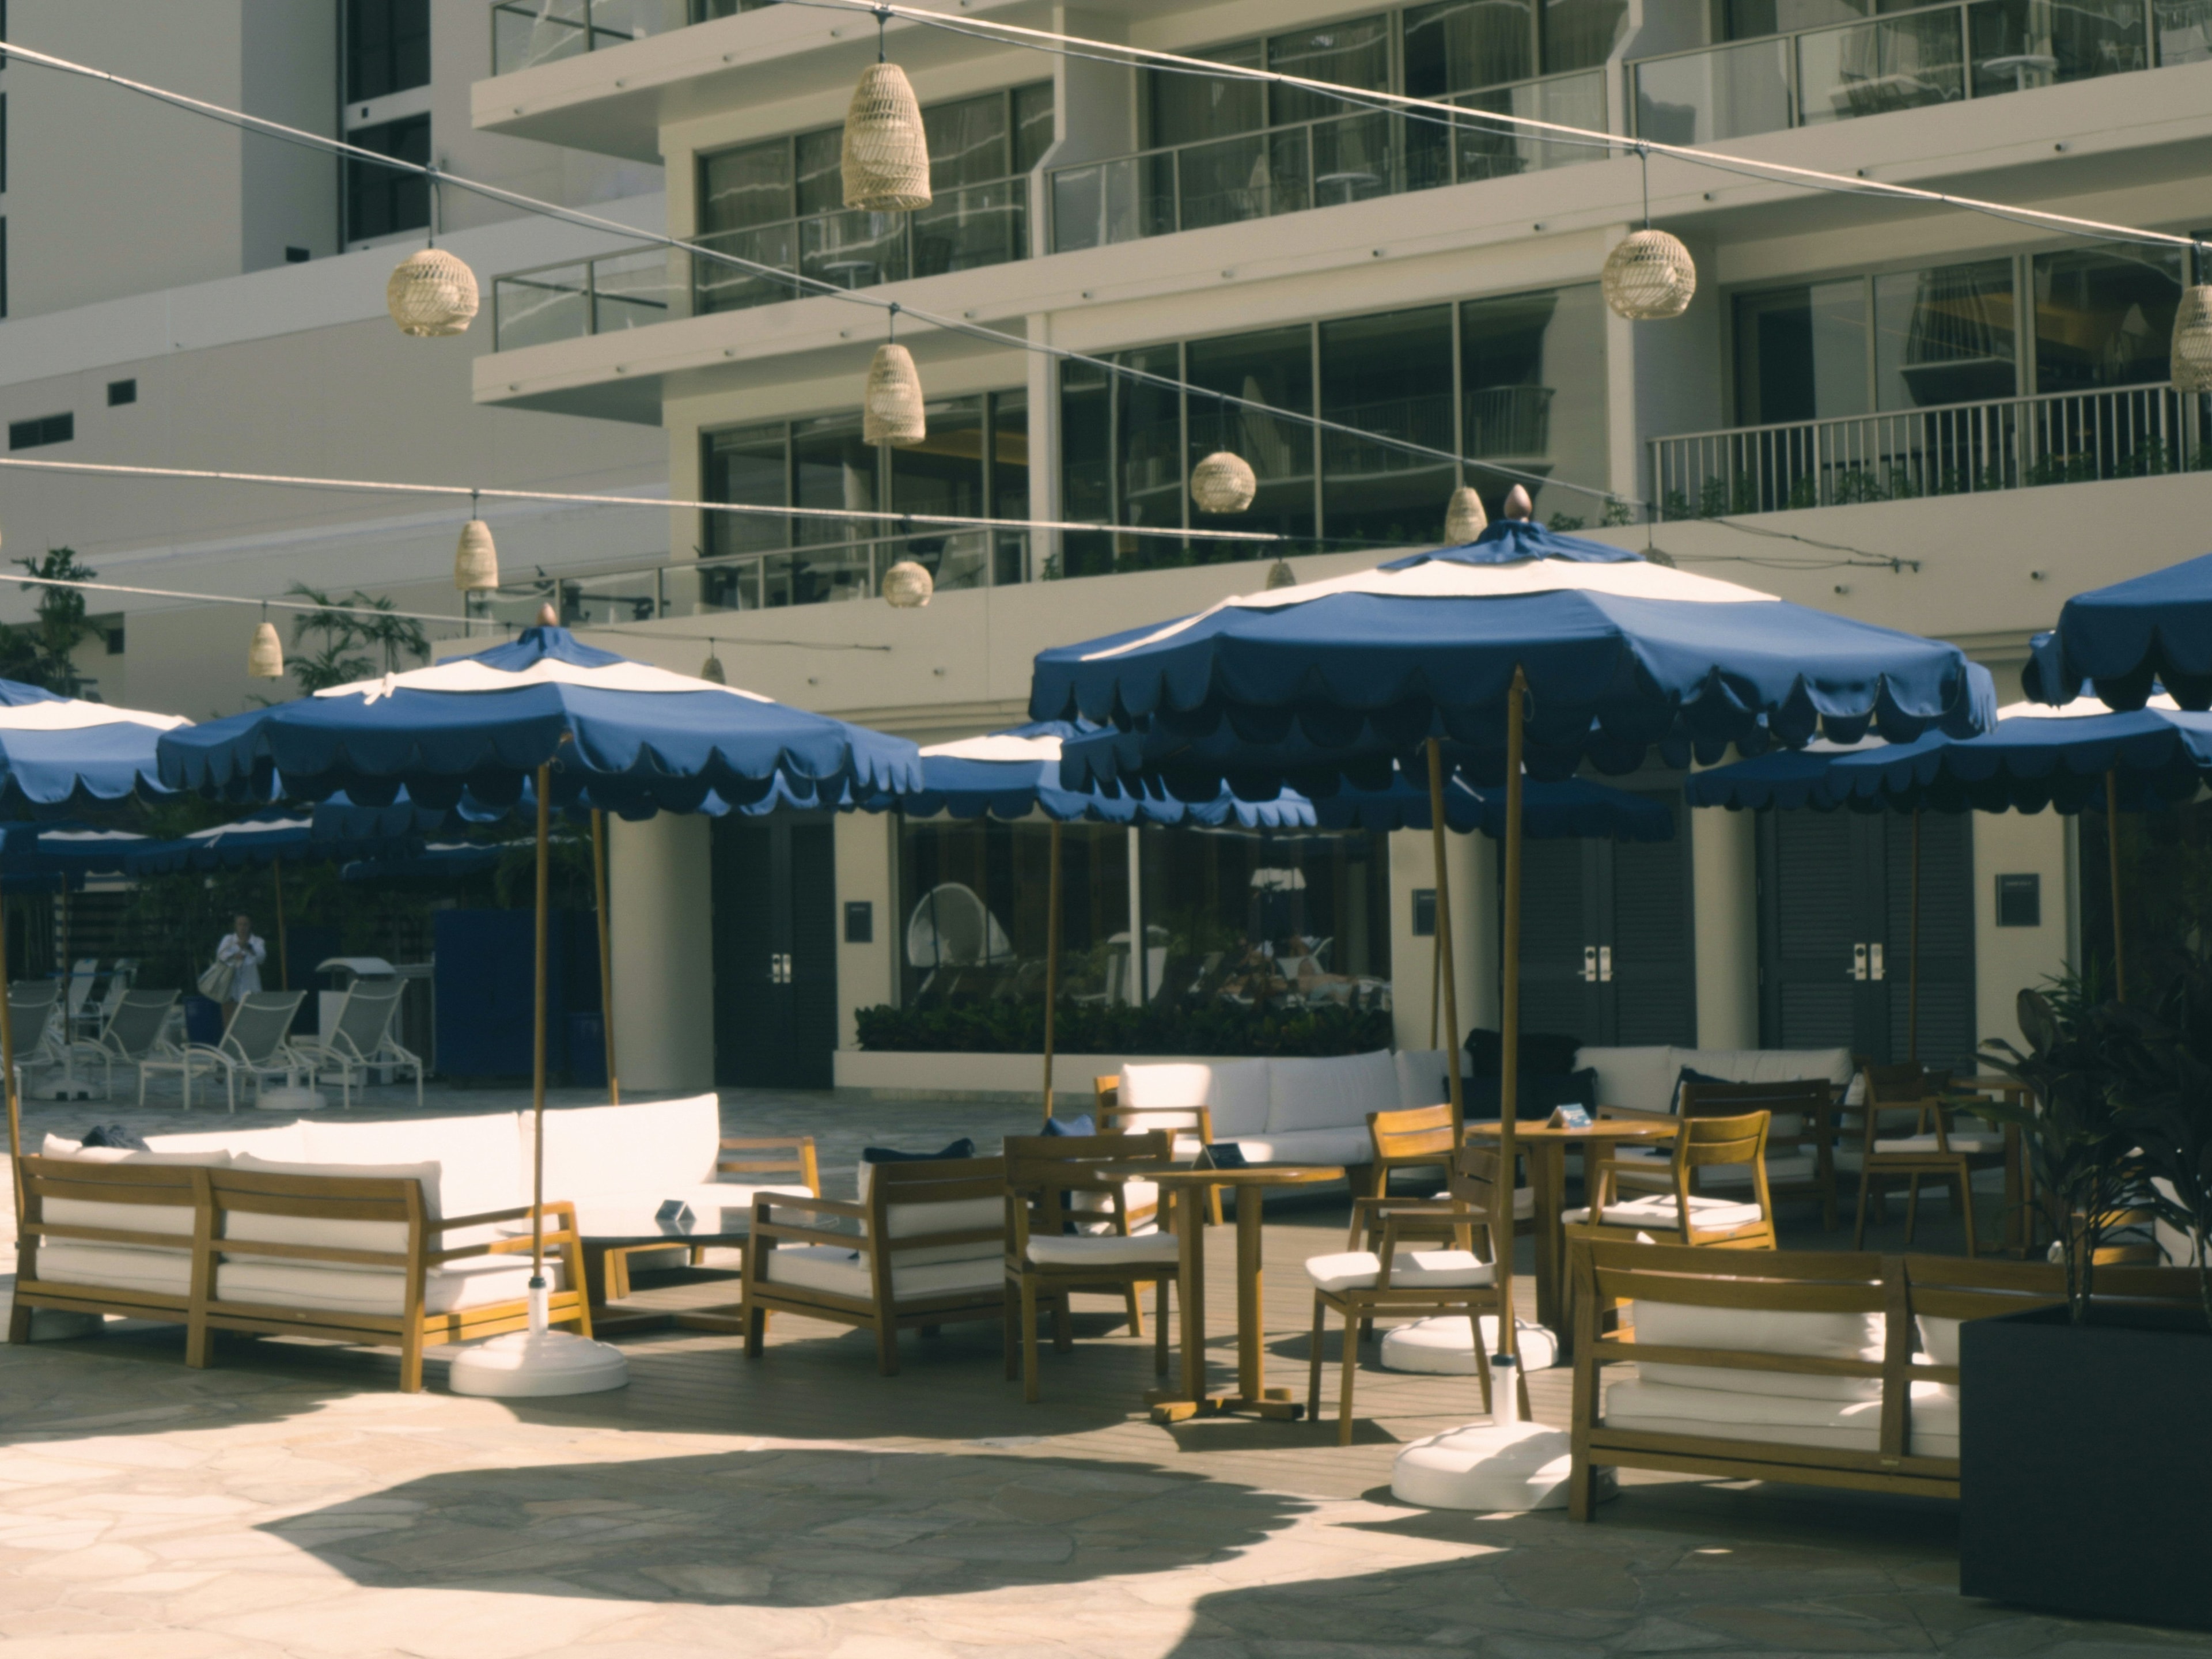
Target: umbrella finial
1517,504
547,615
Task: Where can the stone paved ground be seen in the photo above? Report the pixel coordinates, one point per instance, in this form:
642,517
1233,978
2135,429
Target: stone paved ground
287,1502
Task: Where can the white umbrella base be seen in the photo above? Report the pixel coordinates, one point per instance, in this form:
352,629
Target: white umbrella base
1440,1345
1492,1467
292,1100
532,1364
63,1090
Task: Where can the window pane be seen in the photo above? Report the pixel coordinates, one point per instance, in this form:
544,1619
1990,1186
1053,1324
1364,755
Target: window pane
387,47
1184,108
1461,44
821,183
2020,44
973,913
1579,34
2104,319
1356,53
1532,376
1086,443
1149,420
1746,18
1390,375
1242,917
967,141
1800,353
1944,336
1273,368
832,468
740,188
944,474
1899,63
1033,124
381,200
1010,457
746,464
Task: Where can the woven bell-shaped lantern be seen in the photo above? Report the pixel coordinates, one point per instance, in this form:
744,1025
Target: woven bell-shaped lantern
1649,276
907,586
264,657
712,668
886,153
432,292
1464,519
1223,483
2192,340
891,407
476,561
1280,574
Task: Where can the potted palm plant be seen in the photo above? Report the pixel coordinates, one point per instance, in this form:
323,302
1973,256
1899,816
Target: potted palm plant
2085,1448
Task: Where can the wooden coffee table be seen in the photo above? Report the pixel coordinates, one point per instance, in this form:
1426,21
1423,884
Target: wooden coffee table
611,1233
1188,1188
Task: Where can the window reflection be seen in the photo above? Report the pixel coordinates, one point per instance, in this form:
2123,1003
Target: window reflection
1274,369
1532,399
1801,352
1390,375
973,903
1944,336
2104,319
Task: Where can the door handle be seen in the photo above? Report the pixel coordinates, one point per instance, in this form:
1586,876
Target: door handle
779,968
1605,963
1858,962
1589,963
1874,953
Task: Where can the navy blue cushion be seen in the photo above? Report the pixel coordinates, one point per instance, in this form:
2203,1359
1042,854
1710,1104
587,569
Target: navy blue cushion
963,1147
1691,1074
114,1135
1085,1125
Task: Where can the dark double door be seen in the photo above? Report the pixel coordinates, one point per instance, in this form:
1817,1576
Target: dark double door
775,952
1835,919
1608,952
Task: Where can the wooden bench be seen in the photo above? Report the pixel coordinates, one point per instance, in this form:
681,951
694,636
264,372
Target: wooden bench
1764,1297
345,1258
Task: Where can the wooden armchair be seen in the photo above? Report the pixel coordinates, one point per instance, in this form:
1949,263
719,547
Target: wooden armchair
791,1156
1801,1136
1682,1214
1190,1127
1047,1259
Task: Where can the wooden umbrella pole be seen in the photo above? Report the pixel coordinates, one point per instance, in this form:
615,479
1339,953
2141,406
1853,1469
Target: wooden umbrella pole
2112,849
1435,978
8,1068
1445,953
1912,971
537,1047
1051,963
1509,1020
606,953
283,950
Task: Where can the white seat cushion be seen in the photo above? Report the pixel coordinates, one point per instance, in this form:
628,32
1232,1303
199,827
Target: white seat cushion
626,1154
1410,1270
481,1167
1642,1079
1441,1346
1792,1167
1135,1195
1423,1078
845,1273
284,1142
165,1218
1524,1202
1706,1213
1235,1090
1309,1146
1960,1143
1813,1335
338,1232
1839,1425
1333,1093
474,1282
960,1215
1158,1249
117,1267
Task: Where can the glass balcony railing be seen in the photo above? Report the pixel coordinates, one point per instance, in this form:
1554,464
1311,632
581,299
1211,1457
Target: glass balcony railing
527,33
2009,443
587,296
816,573
963,229
1291,169
1940,54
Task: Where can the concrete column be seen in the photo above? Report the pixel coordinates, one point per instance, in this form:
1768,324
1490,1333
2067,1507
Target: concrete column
1471,862
1725,881
867,870
2008,960
661,928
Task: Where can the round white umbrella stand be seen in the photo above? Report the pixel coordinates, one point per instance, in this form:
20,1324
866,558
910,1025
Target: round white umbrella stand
538,1362
292,1098
1503,1466
1443,1345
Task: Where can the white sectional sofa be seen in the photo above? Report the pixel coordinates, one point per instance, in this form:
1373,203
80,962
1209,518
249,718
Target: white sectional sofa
404,1232
1643,1078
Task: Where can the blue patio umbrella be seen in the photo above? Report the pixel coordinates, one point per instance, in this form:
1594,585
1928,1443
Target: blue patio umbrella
580,726
61,856
2126,640
1523,648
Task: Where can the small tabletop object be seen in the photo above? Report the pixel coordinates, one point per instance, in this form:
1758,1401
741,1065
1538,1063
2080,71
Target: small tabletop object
1188,1188
610,1232
1545,1146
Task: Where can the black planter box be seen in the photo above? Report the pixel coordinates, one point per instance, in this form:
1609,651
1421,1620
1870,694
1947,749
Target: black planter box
2086,1465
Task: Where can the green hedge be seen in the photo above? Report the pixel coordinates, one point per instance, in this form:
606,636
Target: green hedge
1214,1028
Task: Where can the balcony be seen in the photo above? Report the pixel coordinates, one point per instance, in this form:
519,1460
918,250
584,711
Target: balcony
2012,443
527,33
1938,55
1293,169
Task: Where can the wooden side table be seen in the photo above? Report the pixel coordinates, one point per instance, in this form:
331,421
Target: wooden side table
1190,1188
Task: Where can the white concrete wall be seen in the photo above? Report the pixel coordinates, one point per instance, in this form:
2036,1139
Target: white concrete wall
2008,960
661,938
1724,879
867,869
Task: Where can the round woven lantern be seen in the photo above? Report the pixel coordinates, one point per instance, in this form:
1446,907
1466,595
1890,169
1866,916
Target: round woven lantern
432,292
1649,276
476,561
891,407
886,153
907,586
1223,483
2193,341
1464,519
712,668
264,657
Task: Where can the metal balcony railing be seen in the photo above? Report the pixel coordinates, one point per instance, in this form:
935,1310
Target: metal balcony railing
1939,54
567,302
2011,443
1291,169
816,573
527,33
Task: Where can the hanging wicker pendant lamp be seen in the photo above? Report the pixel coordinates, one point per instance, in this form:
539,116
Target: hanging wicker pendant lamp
712,668
1280,576
1223,483
907,586
476,561
2192,340
891,407
1649,276
1464,519
264,657
432,292
886,153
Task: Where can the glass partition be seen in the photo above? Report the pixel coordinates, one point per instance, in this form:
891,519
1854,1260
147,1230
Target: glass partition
1392,375
974,911
1273,368
1945,336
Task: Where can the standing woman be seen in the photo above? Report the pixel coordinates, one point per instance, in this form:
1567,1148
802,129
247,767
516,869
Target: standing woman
243,953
